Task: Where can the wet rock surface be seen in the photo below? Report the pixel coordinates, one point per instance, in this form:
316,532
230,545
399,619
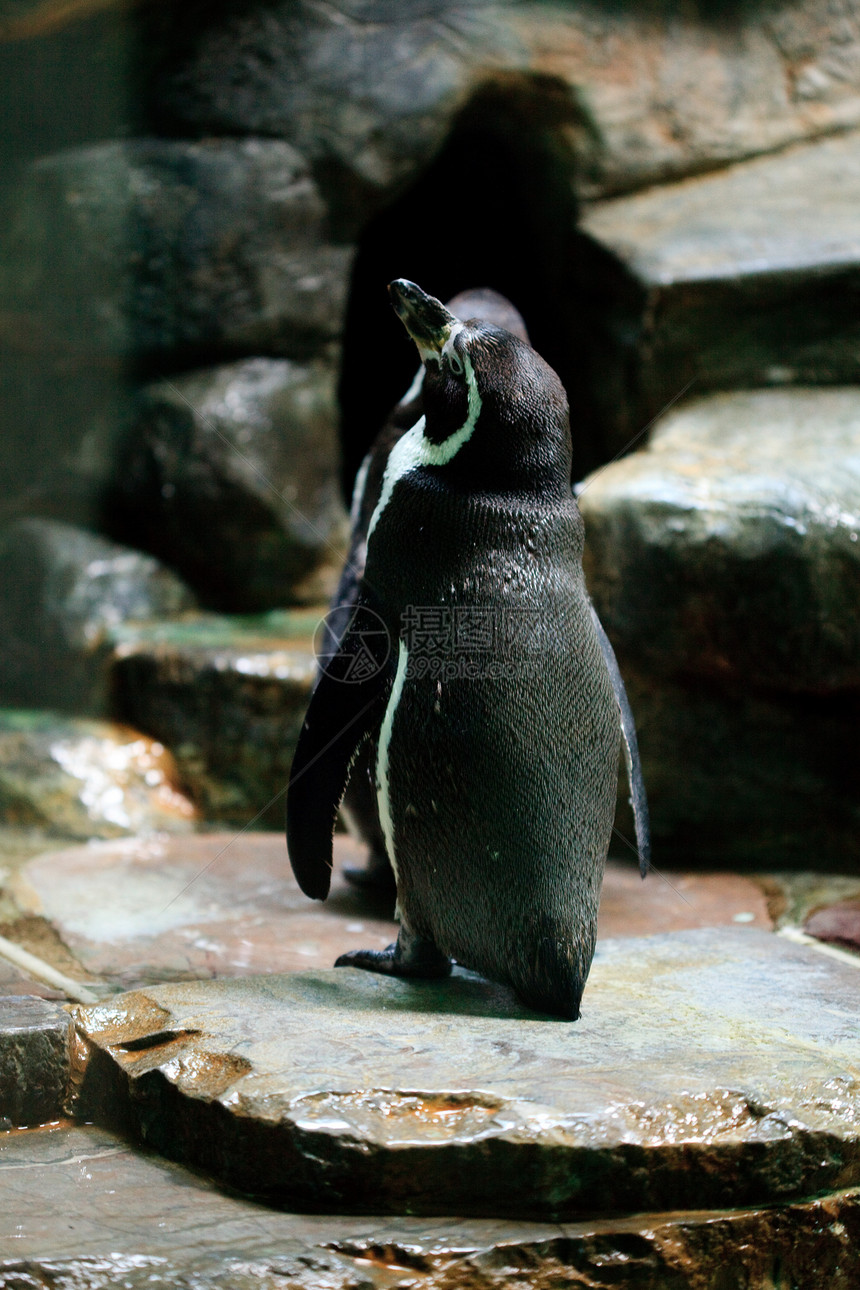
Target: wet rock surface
147,246
750,778
730,547
724,560
77,778
705,1064
217,905
229,473
129,1217
34,1061
731,279
63,590
228,697
222,905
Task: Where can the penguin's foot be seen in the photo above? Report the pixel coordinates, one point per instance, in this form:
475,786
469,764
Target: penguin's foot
376,876
411,955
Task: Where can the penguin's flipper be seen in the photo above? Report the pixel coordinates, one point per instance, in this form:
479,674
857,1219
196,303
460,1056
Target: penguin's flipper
346,707
638,798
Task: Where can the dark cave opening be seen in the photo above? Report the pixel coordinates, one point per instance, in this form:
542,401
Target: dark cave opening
496,208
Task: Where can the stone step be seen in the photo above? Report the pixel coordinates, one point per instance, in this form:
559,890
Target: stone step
131,1219
730,547
747,778
228,697
747,276
717,1064
35,1058
147,910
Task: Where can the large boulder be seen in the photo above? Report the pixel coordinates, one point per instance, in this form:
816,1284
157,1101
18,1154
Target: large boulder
64,591
231,474
147,246
730,547
669,90
744,277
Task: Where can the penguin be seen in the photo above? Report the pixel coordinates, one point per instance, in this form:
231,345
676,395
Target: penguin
496,751
359,806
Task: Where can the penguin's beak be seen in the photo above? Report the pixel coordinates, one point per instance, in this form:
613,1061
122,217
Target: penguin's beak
425,318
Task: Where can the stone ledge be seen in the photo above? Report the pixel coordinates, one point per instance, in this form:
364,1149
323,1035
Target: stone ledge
718,1064
34,1060
116,1233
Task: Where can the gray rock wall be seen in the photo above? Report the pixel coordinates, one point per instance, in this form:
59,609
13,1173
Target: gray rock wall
669,194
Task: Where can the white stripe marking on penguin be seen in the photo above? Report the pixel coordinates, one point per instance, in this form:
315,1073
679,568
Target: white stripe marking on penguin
413,450
383,793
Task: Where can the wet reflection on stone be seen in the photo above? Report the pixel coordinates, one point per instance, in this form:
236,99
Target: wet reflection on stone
718,1064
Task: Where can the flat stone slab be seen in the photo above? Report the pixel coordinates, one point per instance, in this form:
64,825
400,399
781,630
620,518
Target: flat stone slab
82,1210
34,1060
720,1064
224,905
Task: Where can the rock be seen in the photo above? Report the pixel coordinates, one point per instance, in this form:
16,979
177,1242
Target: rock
151,246
667,91
84,779
366,92
837,924
228,697
345,1088
793,896
733,279
231,474
146,910
370,90
746,778
730,547
63,591
196,1237
34,1061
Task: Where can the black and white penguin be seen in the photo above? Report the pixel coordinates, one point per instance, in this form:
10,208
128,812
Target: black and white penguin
359,807
497,737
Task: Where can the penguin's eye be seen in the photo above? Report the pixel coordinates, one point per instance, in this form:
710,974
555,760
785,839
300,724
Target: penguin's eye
455,365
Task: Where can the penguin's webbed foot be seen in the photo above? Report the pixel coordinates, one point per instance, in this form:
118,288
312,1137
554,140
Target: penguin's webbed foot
376,877
410,955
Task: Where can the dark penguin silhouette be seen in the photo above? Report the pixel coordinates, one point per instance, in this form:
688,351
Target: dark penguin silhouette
496,740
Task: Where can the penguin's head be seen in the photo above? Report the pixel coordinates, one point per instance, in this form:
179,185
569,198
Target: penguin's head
493,408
